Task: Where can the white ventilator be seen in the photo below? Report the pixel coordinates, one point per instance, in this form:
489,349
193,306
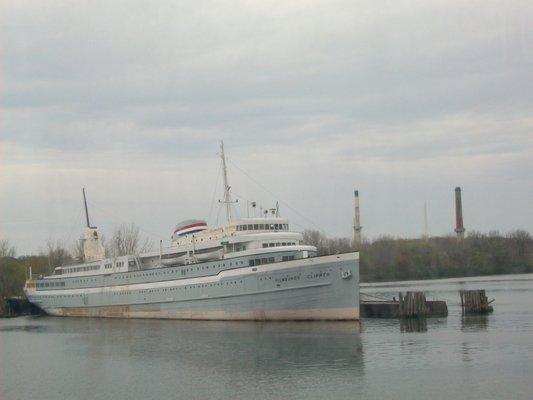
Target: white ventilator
93,250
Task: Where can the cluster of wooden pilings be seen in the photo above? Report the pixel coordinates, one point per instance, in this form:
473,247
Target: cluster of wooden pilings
413,304
475,302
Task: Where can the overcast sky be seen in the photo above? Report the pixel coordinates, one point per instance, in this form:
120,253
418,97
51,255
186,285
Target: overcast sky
402,100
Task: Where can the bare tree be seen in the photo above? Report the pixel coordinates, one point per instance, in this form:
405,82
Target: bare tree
77,251
325,245
127,239
57,254
6,250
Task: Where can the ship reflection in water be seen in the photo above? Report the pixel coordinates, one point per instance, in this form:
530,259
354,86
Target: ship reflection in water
252,348
193,359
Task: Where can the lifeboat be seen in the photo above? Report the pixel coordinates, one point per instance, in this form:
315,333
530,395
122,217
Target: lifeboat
189,226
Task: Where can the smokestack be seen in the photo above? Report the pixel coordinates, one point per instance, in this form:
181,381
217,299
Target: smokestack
459,228
426,230
357,222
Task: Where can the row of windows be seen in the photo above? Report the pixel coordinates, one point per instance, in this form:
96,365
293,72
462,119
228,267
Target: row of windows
136,275
263,227
49,284
260,261
119,264
287,258
84,280
81,269
122,293
279,244
57,297
85,268
183,271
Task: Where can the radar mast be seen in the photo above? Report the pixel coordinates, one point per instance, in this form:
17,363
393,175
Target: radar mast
227,196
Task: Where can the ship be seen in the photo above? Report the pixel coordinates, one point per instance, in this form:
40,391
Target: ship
253,268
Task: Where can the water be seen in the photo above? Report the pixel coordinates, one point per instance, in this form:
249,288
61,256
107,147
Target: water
442,358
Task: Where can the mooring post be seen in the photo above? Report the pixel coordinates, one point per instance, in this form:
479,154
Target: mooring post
474,302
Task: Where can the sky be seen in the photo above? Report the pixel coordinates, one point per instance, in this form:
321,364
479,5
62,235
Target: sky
401,100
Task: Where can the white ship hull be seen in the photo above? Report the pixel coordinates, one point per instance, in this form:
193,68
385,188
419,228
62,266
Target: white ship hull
317,288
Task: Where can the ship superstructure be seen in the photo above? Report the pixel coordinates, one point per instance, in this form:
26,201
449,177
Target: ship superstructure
249,268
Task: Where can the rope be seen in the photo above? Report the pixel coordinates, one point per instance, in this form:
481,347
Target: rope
117,219
214,192
275,196
381,298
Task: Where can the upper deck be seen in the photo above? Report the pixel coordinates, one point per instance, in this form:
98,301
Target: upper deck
245,225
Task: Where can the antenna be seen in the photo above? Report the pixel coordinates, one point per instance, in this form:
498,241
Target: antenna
86,211
227,197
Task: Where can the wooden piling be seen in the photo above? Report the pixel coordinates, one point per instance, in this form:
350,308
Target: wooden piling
475,302
413,304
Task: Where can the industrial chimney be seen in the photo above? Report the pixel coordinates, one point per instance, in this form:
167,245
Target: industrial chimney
357,222
459,228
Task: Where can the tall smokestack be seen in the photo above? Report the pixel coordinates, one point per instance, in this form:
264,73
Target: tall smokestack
426,230
357,222
459,228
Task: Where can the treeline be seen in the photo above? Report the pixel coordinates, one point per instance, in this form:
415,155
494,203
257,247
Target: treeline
390,259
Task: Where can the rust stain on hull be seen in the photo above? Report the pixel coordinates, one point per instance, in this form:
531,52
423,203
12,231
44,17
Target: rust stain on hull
338,314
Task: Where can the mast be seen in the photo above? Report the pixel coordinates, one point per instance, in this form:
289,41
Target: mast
227,196
86,211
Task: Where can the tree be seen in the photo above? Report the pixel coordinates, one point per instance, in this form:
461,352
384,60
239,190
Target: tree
12,276
57,255
6,250
77,250
127,239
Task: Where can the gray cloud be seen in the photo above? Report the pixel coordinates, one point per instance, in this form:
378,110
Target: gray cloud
403,101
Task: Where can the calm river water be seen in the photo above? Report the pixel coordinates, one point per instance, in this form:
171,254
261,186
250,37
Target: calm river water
444,358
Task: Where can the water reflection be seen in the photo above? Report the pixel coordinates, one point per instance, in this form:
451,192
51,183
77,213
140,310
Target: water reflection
208,359
413,324
207,345
474,323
